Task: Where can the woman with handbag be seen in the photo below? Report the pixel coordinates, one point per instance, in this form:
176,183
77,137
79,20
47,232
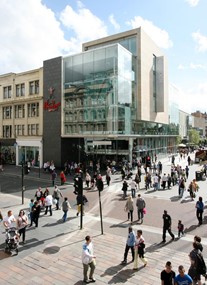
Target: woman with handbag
139,250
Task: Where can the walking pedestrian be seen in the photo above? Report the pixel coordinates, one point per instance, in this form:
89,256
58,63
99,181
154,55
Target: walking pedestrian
199,244
124,189
88,180
133,188
129,245
167,226
88,260
9,220
155,182
31,203
22,222
65,207
199,210
181,187
194,267
56,195
81,201
139,250
35,213
53,176
180,228
62,178
182,277
129,208
48,203
167,275
164,181
39,194
141,204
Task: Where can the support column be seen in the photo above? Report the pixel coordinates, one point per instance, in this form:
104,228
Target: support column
130,149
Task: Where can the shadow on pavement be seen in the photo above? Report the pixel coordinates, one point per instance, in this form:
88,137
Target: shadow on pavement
122,276
174,198
120,225
60,221
190,229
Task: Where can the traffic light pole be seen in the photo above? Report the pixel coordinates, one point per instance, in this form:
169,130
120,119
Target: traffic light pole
100,207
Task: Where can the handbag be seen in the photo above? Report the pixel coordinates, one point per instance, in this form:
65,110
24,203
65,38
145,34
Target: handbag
144,211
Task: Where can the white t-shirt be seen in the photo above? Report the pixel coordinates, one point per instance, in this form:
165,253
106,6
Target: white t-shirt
48,200
10,221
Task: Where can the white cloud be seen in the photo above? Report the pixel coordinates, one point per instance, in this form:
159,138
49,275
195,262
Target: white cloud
200,40
192,66
181,67
32,33
83,23
159,36
194,99
198,66
192,3
114,22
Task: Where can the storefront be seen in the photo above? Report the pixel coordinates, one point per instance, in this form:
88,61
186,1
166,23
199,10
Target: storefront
29,150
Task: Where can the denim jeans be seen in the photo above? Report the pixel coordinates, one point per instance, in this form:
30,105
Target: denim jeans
65,216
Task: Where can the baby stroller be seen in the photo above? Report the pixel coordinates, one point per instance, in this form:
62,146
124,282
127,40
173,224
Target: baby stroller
12,240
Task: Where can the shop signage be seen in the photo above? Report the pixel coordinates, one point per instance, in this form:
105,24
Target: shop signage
51,105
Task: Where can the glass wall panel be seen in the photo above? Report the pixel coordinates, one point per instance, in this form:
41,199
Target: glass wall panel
98,94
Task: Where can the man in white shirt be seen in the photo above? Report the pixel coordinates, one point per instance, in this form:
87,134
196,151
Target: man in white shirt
156,181
48,203
9,220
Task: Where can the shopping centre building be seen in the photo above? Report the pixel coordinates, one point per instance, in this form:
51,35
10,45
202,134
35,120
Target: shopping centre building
108,102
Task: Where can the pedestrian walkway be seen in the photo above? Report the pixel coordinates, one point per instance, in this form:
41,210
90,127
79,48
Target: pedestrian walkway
52,254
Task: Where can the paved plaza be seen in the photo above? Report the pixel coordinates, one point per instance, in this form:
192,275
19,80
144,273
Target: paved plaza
52,253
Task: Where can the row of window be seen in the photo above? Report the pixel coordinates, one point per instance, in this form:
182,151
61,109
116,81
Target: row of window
32,130
20,89
90,101
84,128
86,115
19,111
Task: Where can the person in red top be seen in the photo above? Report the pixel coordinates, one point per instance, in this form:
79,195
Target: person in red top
62,177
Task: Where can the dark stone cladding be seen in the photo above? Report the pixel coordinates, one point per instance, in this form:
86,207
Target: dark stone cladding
52,70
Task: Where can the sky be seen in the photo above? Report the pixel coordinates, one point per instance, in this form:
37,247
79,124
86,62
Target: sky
35,30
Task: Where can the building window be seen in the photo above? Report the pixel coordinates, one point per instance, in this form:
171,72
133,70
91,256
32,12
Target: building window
19,130
7,92
34,87
33,130
7,112
33,110
7,131
19,111
20,90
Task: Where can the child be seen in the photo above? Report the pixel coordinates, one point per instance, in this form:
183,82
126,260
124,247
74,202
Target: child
180,228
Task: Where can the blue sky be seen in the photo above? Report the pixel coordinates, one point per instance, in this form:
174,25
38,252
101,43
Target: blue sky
35,30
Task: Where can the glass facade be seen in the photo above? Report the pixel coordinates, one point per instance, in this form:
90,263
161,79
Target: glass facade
28,153
99,92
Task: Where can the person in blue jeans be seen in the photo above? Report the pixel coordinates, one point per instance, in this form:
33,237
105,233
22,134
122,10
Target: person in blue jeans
65,207
199,210
129,245
182,277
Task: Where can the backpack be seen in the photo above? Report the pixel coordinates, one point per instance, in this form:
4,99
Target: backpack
201,266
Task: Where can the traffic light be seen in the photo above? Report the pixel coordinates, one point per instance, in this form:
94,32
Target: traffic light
148,161
26,169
